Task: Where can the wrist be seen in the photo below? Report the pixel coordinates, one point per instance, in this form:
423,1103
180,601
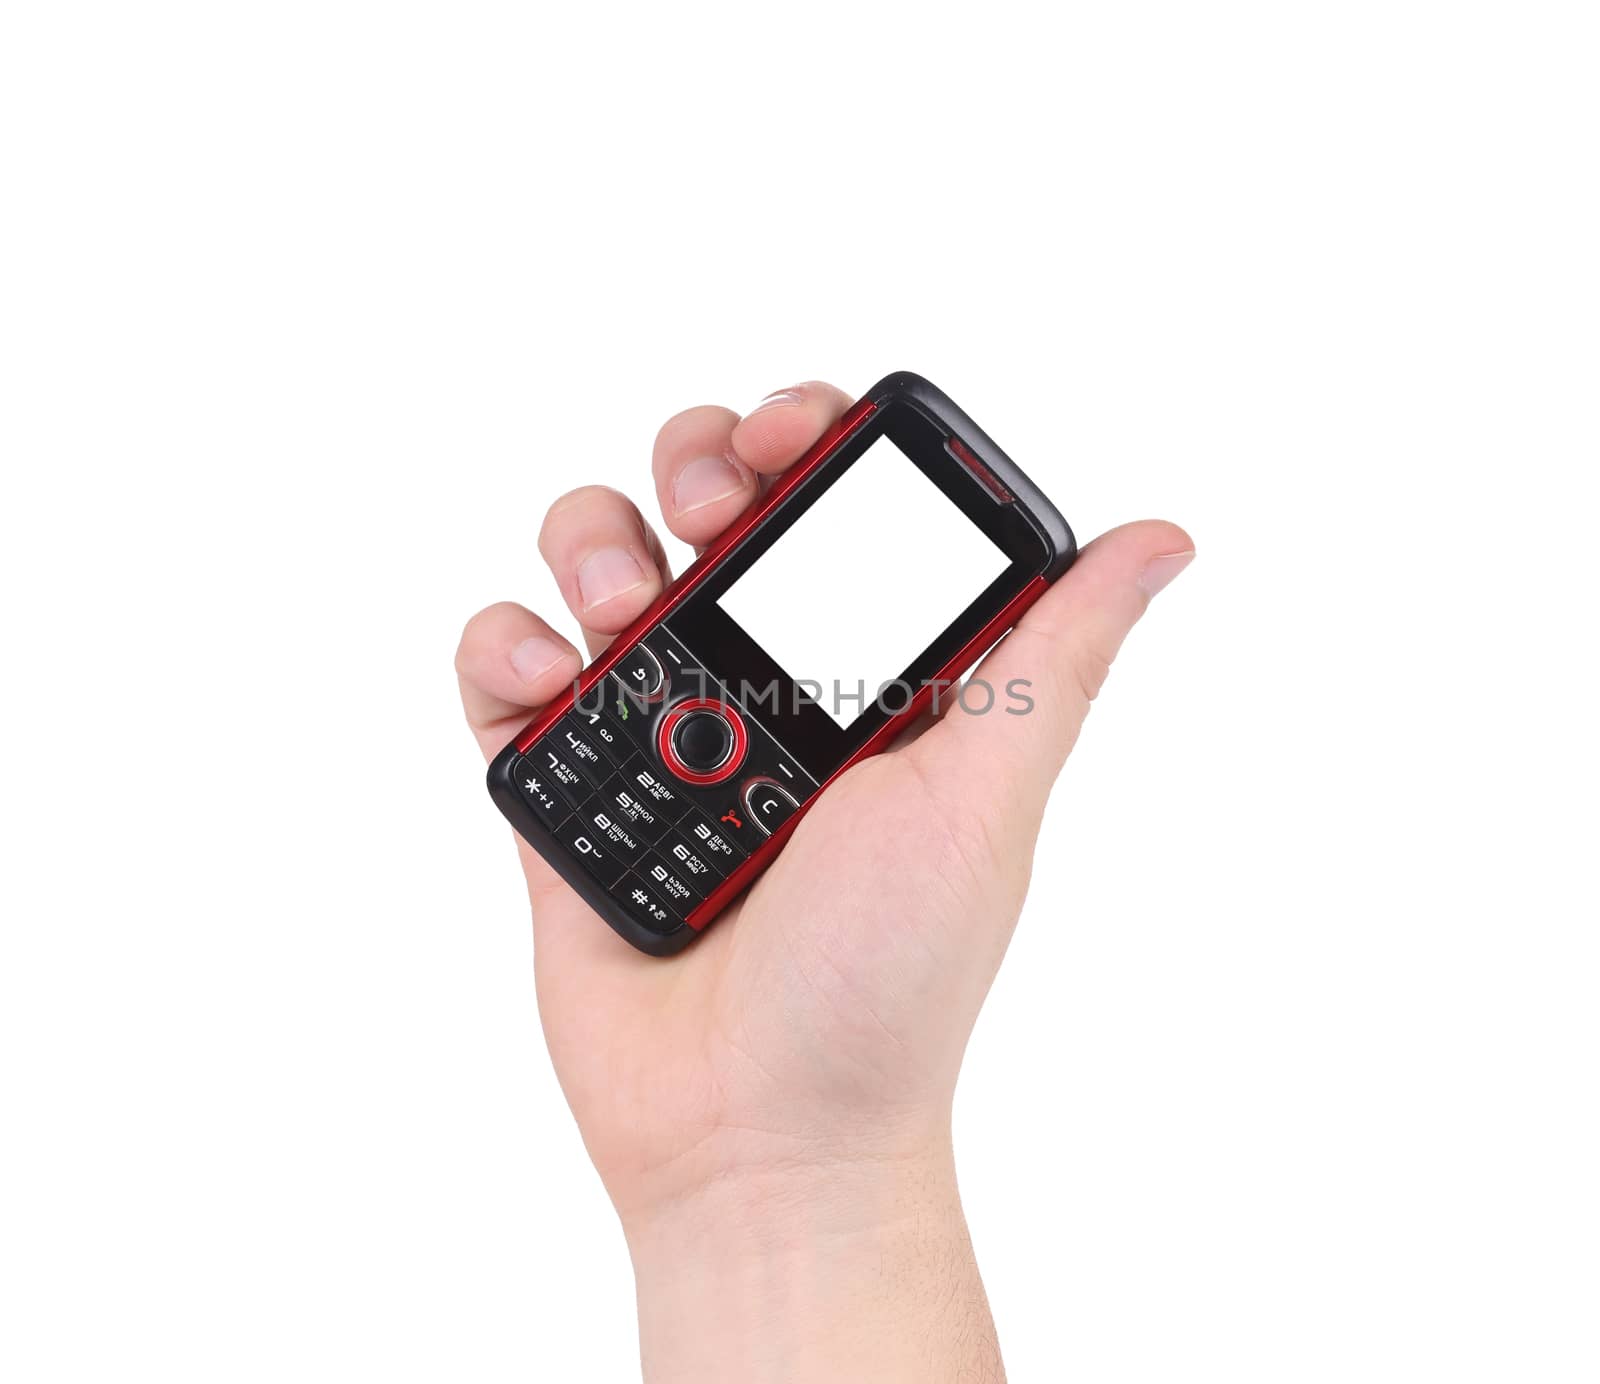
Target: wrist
850,1268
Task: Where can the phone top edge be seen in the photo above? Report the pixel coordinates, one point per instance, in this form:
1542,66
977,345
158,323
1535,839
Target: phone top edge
1060,543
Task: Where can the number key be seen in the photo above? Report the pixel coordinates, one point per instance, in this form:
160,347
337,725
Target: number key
596,856
690,863
651,784
582,746
574,783
669,883
534,785
713,841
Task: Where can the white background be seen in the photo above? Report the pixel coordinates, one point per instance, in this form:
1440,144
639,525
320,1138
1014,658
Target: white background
309,310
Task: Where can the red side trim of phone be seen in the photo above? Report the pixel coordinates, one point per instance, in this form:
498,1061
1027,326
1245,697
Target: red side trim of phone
730,888
680,589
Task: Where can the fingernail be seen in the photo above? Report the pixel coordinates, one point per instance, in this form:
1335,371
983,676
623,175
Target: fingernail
606,574
704,481
536,656
1161,570
784,398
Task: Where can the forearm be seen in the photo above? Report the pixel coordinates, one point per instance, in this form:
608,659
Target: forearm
853,1272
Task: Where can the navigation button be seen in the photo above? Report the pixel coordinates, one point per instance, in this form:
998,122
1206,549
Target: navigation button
702,740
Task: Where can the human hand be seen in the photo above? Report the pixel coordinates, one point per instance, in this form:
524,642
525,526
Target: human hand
770,1111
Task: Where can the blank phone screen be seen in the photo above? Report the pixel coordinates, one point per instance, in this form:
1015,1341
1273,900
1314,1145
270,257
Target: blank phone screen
864,581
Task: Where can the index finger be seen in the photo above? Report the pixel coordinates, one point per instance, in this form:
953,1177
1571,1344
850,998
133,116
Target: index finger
709,462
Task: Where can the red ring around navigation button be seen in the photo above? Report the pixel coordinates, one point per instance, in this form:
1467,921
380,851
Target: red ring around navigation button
669,754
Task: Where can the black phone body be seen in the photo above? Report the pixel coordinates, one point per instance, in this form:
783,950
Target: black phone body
872,574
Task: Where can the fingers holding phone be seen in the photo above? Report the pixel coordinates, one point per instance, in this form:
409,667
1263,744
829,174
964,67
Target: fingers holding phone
899,543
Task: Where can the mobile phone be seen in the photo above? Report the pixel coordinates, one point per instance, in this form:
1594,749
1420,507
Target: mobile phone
871,575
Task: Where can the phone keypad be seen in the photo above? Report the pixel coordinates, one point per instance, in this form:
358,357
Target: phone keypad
548,805
611,832
600,725
623,798
583,747
683,858
644,905
711,841
654,785
595,856
562,773
669,883
658,844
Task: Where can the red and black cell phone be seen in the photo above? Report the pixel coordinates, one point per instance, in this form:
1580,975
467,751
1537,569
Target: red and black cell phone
872,574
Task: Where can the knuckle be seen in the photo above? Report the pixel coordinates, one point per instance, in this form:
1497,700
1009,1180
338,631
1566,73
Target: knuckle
689,419
822,391
478,633
476,623
1088,665
571,505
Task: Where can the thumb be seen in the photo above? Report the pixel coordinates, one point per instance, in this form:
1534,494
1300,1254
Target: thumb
1010,733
